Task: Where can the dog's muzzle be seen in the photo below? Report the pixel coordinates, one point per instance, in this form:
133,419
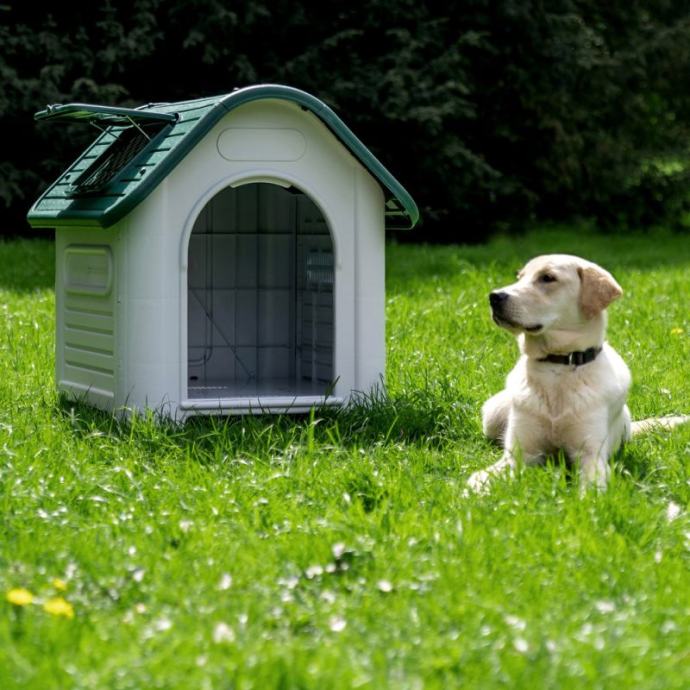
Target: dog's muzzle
498,301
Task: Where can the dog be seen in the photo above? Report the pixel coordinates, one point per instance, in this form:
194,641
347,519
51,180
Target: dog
568,391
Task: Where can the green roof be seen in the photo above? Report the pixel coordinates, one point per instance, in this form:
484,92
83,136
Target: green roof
179,127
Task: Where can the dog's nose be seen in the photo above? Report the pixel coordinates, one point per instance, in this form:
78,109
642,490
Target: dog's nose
496,299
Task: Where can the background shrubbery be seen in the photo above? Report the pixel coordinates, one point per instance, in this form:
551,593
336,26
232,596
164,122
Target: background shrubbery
492,113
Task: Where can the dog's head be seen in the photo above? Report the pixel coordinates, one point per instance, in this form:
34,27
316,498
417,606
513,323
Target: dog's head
556,291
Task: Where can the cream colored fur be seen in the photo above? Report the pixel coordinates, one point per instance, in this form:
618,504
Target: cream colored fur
557,306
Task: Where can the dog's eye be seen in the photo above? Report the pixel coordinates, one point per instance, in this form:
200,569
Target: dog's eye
547,278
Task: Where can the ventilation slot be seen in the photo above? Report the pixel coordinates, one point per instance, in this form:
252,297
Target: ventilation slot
130,142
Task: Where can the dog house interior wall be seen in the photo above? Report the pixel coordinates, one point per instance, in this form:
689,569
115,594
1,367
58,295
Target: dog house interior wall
260,296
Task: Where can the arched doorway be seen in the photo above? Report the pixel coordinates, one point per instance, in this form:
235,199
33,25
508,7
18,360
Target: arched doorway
260,289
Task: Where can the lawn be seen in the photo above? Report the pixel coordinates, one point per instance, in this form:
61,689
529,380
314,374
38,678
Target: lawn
339,550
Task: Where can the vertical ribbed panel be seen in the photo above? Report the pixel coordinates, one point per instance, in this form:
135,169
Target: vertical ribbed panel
88,321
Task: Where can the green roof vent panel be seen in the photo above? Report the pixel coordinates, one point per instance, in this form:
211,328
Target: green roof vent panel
126,145
103,114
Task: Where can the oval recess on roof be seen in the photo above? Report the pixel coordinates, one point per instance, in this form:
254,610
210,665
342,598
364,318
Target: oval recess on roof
261,144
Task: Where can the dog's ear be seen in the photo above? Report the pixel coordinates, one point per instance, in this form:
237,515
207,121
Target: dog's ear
598,289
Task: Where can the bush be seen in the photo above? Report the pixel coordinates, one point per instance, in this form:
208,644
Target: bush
492,113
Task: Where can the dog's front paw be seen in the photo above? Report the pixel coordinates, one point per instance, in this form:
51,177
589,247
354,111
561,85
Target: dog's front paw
479,481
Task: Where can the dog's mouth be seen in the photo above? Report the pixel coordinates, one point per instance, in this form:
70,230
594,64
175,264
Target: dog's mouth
503,322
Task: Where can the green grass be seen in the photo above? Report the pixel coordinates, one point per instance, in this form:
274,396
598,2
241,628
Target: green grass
339,551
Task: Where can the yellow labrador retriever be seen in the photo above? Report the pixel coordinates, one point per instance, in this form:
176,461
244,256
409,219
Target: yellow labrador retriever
568,390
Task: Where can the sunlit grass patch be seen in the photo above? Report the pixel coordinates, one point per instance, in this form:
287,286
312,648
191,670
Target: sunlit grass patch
338,549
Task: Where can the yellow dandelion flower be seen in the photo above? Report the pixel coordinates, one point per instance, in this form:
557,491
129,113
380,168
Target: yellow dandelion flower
677,331
19,596
59,584
57,606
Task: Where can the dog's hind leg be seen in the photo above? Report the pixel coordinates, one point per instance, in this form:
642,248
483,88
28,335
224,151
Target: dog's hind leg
658,423
495,416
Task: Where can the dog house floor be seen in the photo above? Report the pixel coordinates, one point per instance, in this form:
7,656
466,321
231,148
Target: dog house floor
260,298
254,389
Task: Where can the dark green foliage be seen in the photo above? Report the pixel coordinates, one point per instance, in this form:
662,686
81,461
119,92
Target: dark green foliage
491,112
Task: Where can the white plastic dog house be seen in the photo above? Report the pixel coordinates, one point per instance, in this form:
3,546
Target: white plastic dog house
222,255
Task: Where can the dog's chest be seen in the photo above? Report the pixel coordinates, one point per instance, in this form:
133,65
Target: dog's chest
556,403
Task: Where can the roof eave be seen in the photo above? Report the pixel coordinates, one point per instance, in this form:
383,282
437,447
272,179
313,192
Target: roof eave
67,218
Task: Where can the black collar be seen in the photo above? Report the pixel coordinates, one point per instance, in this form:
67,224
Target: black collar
573,358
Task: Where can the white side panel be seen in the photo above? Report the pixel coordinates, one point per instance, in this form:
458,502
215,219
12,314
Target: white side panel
152,303
370,271
86,361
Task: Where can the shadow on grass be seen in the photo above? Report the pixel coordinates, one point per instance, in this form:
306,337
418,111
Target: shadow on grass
423,418
635,460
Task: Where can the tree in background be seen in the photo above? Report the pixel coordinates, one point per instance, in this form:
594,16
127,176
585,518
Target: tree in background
493,113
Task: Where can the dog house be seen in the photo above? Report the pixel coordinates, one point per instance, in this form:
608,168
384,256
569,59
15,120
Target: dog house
221,255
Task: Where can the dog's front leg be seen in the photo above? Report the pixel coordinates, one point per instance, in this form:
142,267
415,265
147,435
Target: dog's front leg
514,446
603,439
479,480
